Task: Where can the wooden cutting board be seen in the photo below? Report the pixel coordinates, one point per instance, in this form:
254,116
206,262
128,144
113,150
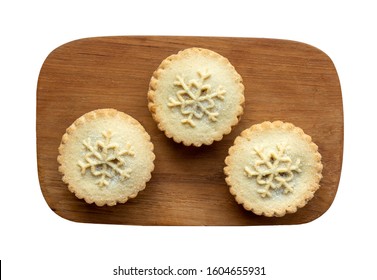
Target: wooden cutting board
284,80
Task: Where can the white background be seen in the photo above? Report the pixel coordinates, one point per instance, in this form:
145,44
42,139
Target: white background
37,244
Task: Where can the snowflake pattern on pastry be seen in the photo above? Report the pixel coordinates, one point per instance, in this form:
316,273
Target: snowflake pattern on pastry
273,171
105,159
196,98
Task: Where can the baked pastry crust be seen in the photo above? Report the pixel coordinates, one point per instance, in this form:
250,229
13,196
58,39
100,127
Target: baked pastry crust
196,96
106,157
273,168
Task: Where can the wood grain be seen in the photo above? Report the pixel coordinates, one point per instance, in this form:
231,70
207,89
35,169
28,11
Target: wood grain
284,80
